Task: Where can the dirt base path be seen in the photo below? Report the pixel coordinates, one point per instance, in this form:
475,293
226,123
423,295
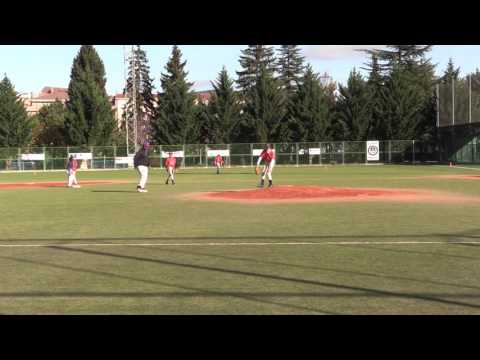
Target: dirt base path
39,185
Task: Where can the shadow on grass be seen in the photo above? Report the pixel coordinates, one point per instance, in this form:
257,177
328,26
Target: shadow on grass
448,238
421,252
474,245
202,293
326,269
209,172
188,291
354,290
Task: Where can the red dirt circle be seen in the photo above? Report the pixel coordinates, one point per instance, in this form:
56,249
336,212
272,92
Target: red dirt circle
302,194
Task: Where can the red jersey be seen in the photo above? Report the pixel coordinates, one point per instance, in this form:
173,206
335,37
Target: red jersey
218,160
268,155
72,165
170,162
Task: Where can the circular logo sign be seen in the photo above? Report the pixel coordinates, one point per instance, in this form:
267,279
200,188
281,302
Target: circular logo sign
372,150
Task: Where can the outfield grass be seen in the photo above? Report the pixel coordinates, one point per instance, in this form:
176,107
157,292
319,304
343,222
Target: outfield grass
246,270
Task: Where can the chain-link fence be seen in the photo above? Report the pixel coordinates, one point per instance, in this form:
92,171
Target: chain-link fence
458,101
469,153
201,155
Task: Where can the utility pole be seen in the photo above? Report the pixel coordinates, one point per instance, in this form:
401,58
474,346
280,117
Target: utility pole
134,97
125,62
131,126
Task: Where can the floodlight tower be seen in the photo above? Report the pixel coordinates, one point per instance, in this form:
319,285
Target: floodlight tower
325,79
134,97
131,120
125,65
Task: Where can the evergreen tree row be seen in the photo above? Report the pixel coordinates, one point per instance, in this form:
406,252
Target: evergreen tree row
15,126
276,97
89,118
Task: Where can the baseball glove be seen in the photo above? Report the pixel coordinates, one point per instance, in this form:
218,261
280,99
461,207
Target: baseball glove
257,170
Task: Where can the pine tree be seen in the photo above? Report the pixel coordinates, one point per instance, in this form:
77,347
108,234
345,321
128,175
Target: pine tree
15,126
51,125
476,78
450,79
175,118
290,66
403,108
418,69
89,112
402,55
353,108
139,70
119,137
203,129
88,57
252,60
311,110
264,109
450,73
375,88
224,109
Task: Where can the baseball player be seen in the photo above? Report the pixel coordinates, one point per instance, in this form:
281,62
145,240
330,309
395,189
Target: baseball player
268,156
170,165
72,166
141,162
218,162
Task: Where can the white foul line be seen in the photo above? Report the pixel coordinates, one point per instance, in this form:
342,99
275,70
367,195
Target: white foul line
465,167
459,167
248,244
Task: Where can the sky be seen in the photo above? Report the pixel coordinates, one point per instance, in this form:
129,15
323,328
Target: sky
31,67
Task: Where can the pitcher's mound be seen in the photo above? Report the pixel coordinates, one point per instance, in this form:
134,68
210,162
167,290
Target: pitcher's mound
325,194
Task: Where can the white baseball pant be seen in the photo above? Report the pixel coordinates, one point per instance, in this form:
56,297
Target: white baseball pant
143,171
267,170
72,178
171,173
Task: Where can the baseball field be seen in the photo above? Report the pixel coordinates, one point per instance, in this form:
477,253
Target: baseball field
323,240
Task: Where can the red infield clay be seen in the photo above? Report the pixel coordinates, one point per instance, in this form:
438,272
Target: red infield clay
38,185
301,192
291,193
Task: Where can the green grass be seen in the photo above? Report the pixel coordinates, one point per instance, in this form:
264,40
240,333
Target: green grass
321,278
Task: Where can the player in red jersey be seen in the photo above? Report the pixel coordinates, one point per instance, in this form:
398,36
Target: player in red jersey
268,157
170,164
218,162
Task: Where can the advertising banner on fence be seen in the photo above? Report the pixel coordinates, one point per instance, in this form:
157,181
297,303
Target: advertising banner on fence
310,151
373,150
213,153
33,157
177,154
81,156
124,160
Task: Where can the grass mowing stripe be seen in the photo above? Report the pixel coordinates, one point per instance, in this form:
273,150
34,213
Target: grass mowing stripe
467,168
253,243
107,250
